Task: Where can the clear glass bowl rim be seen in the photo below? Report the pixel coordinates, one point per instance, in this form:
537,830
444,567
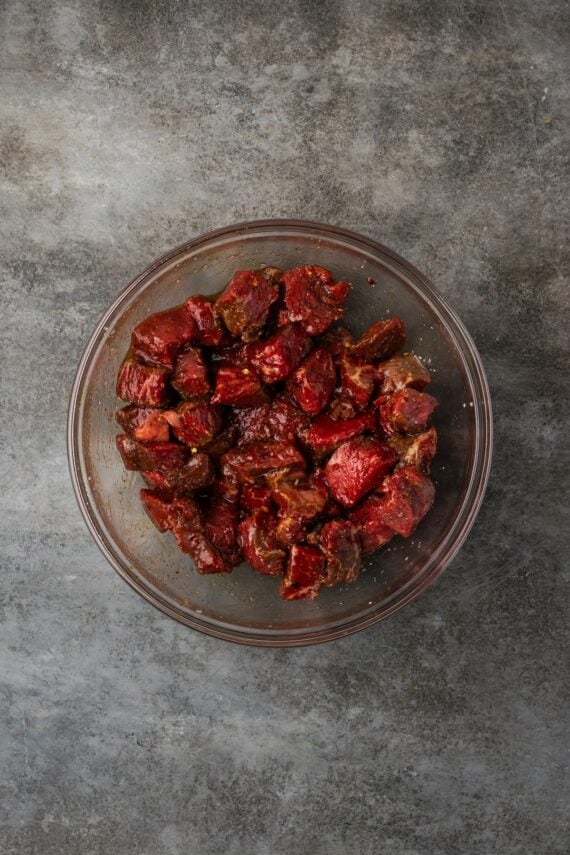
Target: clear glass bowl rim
467,511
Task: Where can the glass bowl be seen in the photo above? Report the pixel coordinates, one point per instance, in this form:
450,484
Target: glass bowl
245,606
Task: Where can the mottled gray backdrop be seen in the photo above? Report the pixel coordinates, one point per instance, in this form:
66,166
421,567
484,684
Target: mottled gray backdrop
437,127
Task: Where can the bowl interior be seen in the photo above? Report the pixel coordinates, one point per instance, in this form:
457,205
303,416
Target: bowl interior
245,605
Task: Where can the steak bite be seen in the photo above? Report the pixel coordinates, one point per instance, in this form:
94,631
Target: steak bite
251,463
275,421
260,547
381,340
210,331
408,495
418,451
150,455
326,433
160,337
313,298
407,411
371,531
245,303
282,352
198,472
143,385
402,371
190,376
312,384
357,380
238,387
195,423
340,545
303,579
357,467
145,424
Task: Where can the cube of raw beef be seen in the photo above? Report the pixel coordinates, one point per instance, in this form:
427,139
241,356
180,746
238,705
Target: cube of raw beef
206,557
357,379
252,463
418,451
255,498
326,433
402,371
158,508
222,442
161,336
303,579
312,384
238,387
150,455
145,424
282,352
337,341
221,523
297,497
357,467
236,355
372,532
259,545
407,496
341,407
274,421
143,385
210,330
381,340
406,411
313,298
195,423
198,472
245,303
341,548
290,530
190,376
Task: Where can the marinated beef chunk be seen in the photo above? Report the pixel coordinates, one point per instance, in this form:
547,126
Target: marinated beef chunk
357,380
251,463
290,530
255,498
143,385
188,530
158,508
223,441
236,355
313,298
195,423
381,340
277,420
160,337
150,455
238,387
418,451
259,545
303,579
341,406
196,474
312,384
366,518
406,411
326,433
357,467
341,548
221,522
407,496
190,376
282,352
297,497
402,371
274,274
145,424
337,341
210,331
245,303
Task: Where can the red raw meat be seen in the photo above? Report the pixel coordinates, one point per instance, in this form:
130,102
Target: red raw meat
150,455
367,520
195,423
326,433
210,331
297,497
313,382
337,341
196,474
142,384
282,352
145,424
381,340
341,407
313,297
274,421
255,498
357,380
190,376
161,336
418,451
356,467
408,495
221,523
245,303
158,508
401,371
340,545
250,464
236,355
238,387
407,411
303,579
259,545
224,440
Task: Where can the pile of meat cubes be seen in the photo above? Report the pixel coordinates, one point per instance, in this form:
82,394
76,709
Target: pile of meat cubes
266,433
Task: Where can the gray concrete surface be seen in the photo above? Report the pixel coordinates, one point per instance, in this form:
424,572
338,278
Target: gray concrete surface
439,128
